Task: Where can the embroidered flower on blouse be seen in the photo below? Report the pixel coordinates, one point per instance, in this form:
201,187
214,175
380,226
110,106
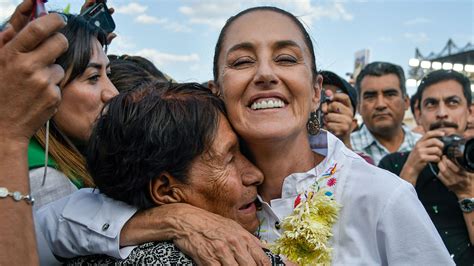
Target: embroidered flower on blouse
331,182
297,201
307,230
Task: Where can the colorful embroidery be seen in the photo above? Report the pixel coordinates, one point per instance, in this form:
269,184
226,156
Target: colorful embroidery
331,182
307,230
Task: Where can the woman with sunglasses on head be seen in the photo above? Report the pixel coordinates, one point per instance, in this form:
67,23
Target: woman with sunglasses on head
85,88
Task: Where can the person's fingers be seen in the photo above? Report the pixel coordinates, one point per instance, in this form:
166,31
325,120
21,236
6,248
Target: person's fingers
111,10
36,32
338,107
21,16
52,48
324,107
254,247
432,142
110,37
329,94
338,118
433,151
433,134
6,35
442,178
224,254
241,253
431,158
343,98
452,166
86,5
57,74
442,166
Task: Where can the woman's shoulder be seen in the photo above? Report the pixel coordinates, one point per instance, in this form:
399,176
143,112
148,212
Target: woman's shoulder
56,185
369,181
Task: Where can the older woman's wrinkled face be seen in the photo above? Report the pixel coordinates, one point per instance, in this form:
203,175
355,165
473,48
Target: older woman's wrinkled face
223,181
265,77
84,97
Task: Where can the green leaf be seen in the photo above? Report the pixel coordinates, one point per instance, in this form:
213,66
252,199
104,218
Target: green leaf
67,9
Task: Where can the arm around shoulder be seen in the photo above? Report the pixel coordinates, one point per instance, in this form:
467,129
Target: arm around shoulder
85,223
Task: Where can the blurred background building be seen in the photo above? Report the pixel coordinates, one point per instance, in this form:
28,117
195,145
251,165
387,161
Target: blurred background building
451,57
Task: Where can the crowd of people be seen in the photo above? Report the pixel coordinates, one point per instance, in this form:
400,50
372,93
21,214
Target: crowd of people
106,160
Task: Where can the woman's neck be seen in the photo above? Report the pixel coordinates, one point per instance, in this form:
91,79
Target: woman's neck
279,159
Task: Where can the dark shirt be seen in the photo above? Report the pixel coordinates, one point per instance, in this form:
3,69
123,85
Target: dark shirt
442,207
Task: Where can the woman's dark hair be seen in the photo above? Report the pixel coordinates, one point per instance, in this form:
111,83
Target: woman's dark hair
148,131
130,72
80,33
222,35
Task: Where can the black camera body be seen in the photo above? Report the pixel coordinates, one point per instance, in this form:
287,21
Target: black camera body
460,151
98,14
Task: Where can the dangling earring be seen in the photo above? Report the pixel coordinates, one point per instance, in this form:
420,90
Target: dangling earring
313,124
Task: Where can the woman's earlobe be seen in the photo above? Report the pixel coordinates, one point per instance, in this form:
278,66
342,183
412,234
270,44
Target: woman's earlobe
163,190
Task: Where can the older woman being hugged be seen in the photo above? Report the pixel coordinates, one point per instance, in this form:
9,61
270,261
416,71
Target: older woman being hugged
192,156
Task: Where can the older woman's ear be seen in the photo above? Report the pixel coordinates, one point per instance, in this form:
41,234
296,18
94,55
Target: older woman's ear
163,190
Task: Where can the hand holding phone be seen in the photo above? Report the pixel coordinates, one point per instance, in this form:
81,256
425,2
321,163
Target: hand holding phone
38,9
99,15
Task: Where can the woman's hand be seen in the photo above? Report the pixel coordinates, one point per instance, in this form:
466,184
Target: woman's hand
207,238
28,76
338,116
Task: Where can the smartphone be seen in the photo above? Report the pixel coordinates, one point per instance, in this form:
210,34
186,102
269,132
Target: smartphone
39,9
98,14
323,99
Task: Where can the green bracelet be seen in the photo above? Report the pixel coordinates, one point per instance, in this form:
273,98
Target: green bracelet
16,195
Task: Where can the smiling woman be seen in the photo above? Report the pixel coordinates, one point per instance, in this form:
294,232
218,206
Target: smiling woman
264,55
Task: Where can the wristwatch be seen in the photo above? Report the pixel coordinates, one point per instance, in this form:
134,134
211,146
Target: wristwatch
467,205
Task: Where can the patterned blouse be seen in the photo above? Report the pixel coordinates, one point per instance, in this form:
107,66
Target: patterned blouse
152,253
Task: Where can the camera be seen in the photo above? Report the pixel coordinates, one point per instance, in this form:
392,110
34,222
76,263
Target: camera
460,151
323,99
98,14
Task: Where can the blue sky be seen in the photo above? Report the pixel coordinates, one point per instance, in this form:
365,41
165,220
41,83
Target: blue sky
179,35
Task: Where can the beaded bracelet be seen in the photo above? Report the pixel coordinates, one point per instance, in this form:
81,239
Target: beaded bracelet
16,195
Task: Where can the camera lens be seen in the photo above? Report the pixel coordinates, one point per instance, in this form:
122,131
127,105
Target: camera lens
469,154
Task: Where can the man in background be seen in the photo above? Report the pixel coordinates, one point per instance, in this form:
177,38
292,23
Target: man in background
444,186
382,103
338,108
